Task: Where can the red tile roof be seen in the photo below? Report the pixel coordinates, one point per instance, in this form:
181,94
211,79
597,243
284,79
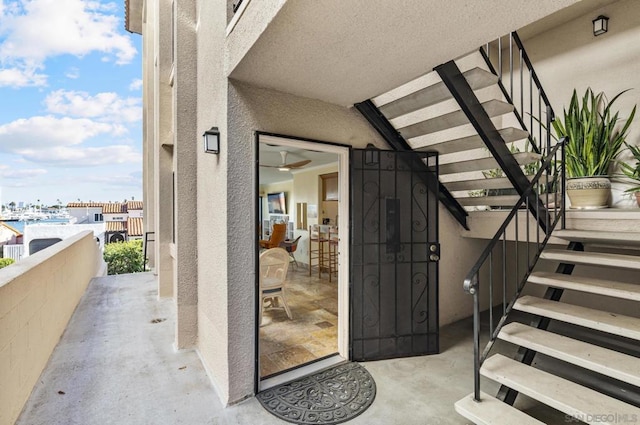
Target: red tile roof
113,208
134,205
115,226
134,226
84,204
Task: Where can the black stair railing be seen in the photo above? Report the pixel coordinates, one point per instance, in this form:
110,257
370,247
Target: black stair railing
520,85
498,277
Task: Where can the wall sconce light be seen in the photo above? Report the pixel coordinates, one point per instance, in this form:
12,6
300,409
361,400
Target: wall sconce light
600,25
212,140
371,155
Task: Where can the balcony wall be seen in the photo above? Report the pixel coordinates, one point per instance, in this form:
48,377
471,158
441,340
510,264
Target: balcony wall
37,297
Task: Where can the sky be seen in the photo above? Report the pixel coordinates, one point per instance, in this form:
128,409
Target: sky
70,102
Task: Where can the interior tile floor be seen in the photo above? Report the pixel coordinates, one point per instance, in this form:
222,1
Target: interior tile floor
311,334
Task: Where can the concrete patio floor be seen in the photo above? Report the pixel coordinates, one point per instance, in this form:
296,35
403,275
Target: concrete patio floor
115,364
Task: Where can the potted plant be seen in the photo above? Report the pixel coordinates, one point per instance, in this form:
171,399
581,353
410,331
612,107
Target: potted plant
593,144
632,171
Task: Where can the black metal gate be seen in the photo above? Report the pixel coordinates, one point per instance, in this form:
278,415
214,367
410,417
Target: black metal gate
394,254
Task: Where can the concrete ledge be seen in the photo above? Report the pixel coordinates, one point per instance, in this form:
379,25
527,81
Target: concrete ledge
37,297
484,224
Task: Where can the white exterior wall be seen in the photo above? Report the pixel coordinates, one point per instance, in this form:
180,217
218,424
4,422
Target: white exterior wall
62,231
7,236
85,215
115,217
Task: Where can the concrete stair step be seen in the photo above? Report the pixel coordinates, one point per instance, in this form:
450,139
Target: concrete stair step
604,321
627,291
484,183
486,163
476,77
592,357
631,262
491,411
600,238
575,400
453,119
492,201
479,184
509,135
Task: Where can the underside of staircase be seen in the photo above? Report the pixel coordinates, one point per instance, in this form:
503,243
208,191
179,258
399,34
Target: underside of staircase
591,369
460,110
582,361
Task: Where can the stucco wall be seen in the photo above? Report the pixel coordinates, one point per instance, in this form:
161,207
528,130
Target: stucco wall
569,56
44,231
37,297
212,186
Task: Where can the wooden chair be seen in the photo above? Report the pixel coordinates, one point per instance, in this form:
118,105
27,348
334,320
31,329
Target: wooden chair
278,234
274,264
316,252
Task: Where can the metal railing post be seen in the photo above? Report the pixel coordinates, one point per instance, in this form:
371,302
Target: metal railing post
476,338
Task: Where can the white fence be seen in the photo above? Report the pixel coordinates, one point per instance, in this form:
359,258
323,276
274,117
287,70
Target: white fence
13,251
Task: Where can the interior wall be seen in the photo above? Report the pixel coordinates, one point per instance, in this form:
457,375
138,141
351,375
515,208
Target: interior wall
569,56
306,186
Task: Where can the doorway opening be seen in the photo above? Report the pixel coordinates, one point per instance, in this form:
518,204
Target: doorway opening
303,306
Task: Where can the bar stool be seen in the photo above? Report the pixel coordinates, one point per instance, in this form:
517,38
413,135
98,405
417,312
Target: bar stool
316,253
333,251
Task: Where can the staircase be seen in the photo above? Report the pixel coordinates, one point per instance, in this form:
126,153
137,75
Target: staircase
463,111
487,116
592,356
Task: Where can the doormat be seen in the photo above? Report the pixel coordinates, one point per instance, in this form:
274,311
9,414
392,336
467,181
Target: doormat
331,396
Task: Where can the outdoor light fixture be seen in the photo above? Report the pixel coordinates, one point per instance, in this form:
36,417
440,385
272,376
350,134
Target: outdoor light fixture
600,25
371,155
212,140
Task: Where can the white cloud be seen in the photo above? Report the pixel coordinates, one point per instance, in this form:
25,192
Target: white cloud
119,180
49,131
34,30
23,174
65,156
108,107
136,84
15,77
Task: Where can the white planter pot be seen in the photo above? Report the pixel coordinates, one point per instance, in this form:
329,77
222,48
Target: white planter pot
589,192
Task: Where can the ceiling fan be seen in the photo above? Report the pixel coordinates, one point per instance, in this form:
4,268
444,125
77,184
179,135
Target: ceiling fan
287,167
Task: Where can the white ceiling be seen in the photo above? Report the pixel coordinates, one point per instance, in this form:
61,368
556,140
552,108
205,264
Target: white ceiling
270,155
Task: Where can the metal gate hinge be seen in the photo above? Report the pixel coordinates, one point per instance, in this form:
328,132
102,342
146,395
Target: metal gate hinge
434,252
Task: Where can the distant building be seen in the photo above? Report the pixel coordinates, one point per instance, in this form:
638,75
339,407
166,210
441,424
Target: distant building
10,242
122,220
86,212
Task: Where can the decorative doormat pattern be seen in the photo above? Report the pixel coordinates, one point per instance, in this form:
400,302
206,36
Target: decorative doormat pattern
331,396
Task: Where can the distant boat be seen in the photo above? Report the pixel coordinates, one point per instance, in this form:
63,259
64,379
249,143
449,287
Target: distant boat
33,216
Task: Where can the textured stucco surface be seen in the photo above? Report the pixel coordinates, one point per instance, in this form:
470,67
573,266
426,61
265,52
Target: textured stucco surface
346,52
161,119
185,148
214,325
569,56
37,297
